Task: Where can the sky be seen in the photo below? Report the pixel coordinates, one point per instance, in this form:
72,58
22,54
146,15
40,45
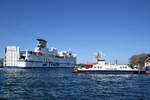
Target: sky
119,28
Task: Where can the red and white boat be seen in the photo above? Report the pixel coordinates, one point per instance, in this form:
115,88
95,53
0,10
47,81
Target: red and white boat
101,66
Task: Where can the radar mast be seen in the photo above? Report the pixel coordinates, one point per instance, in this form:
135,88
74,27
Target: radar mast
99,56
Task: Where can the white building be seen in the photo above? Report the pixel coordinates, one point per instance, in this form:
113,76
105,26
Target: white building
147,62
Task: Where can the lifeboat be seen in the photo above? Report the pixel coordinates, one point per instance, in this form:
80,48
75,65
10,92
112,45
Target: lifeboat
39,53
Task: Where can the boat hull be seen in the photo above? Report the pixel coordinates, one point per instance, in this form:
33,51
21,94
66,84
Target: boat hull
21,64
109,71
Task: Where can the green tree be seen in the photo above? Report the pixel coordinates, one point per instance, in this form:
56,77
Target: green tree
138,59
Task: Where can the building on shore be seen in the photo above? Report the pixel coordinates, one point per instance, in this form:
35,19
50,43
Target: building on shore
147,62
147,65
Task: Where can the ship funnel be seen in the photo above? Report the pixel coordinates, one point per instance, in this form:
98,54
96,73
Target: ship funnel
42,43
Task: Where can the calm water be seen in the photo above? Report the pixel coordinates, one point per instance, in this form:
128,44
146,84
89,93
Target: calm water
62,84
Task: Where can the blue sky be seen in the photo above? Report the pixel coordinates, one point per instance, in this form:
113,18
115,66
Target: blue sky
119,28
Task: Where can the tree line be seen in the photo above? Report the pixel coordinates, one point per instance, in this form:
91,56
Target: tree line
138,59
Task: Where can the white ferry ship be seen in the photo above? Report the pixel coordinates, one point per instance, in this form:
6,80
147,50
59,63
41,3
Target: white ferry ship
41,57
101,66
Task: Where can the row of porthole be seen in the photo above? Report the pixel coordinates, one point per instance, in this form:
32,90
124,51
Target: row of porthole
101,67
98,67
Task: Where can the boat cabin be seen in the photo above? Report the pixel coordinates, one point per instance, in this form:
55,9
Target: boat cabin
86,66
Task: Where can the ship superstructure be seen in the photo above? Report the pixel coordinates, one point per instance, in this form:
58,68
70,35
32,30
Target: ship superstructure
41,57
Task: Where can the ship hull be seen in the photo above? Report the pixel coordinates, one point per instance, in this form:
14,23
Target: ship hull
40,66
21,64
109,71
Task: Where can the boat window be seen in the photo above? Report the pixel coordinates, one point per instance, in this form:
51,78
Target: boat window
86,66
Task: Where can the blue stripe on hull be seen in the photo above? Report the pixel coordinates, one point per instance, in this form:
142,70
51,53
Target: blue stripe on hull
109,71
14,67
